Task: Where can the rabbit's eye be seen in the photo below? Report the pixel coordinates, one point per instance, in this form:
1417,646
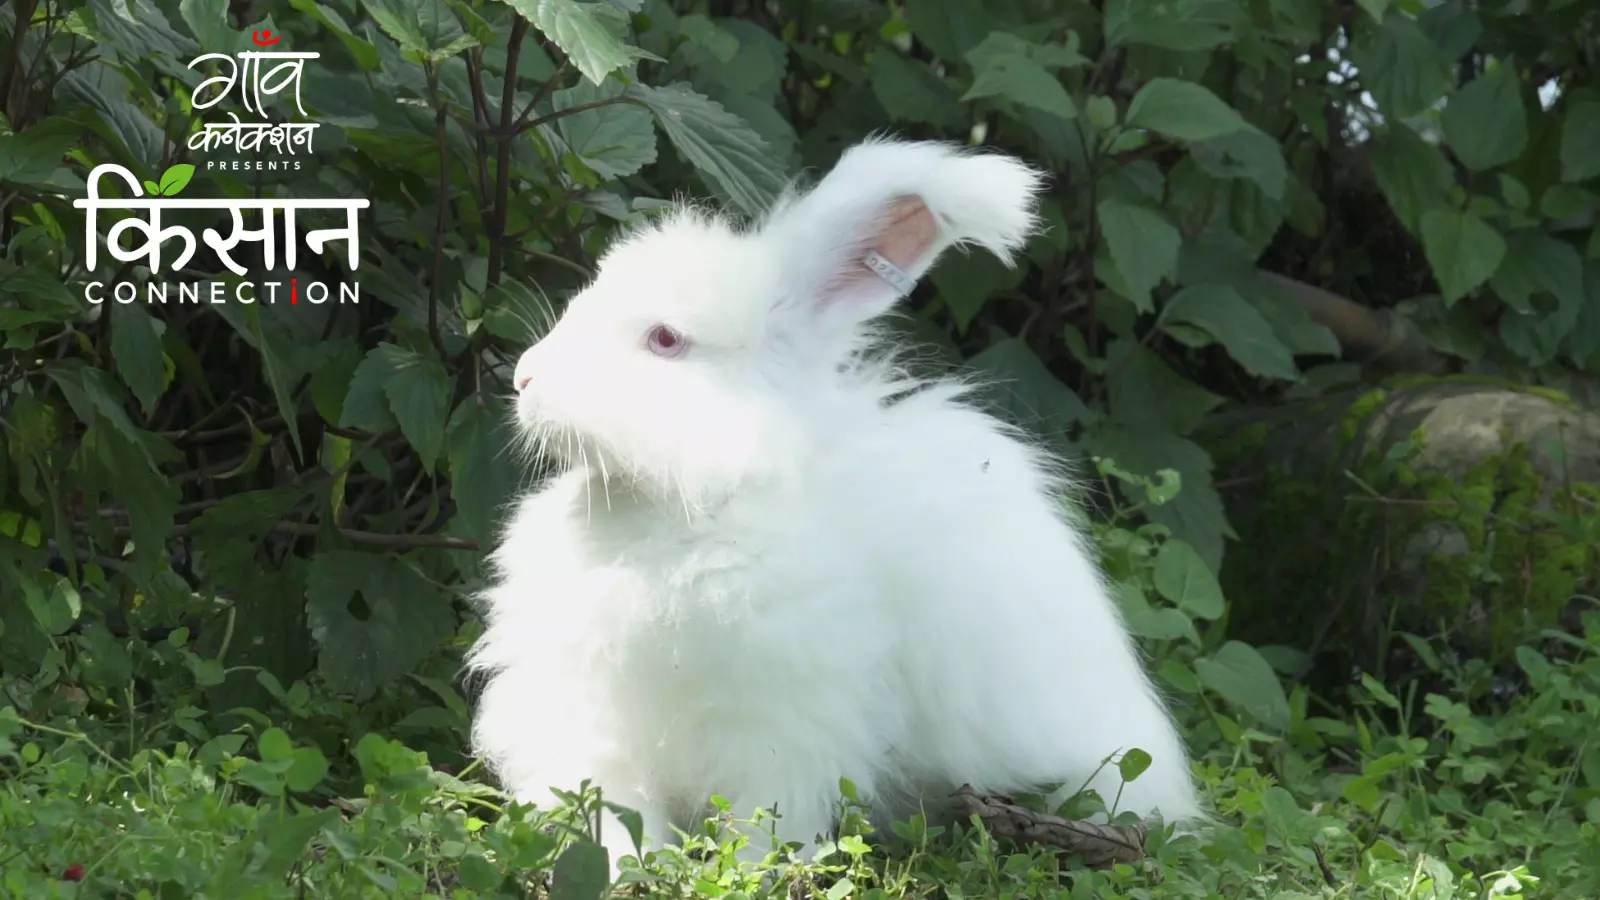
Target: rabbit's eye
666,341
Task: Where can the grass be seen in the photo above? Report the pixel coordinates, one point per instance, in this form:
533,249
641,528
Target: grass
120,783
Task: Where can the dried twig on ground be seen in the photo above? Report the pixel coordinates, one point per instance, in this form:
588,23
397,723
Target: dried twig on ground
1097,845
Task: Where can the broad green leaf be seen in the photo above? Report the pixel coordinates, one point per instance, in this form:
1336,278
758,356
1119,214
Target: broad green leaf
1196,515
1021,80
1580,142
1025,391
373,618
418,388
1535,261
1413,174
1247,153
208,22
1239,675
136,347
1462,250
1050,56
227,534
482,473
1145,392
275,359
1402,68
1485,122
574,28
366,404
950,28
1142,243
1453,26
1289,318
1183,577
286,839
1182,26
365,54
719,144
581,872
151,500
1133,763
910,91
1182,110
514,312
1223,313
615,141
966,281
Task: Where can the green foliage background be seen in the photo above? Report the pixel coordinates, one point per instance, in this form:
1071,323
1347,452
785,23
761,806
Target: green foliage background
237,542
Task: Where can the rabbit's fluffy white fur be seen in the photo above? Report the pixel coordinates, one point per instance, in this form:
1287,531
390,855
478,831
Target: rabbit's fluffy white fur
775,560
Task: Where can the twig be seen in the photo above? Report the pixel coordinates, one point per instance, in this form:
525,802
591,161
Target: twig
502,172
1098,845
440,224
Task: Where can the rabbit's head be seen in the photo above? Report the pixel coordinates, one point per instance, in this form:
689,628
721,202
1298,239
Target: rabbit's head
702,354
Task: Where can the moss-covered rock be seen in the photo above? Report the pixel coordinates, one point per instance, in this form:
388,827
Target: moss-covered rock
1462,506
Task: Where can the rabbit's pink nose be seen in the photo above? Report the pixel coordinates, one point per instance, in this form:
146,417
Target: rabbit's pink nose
522,382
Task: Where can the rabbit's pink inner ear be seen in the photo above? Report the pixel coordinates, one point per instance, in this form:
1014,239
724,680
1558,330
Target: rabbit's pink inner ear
908,232
904,233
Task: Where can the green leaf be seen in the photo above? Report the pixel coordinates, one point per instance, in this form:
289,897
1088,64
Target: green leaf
175,179
1485,122
1143,245
273,745
950,28
482,475
275,359
1242,677
478,874
286,839
1247,153
1183,26
1026,393
909,91
1021,80
1133,763
1183,577
719,144
366,403
1145,392
418,388
1580,138
365,54
1223,313
615,141
1462,250
581,872
1182,110
373,618
307,770
1413,174
1404,71
1534,262
1196,515
574,27
1050,56
136,347
966,281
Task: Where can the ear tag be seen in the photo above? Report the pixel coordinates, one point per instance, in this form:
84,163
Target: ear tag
889,272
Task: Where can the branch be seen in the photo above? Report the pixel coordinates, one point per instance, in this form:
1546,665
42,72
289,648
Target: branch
502,171
1098,845
440,118
1378,335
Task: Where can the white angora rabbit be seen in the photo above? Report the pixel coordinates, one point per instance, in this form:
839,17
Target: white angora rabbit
772,562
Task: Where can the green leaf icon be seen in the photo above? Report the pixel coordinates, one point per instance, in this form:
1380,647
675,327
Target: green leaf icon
151,188
176,178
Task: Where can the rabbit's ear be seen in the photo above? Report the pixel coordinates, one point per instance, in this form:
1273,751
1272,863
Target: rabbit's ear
876,224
